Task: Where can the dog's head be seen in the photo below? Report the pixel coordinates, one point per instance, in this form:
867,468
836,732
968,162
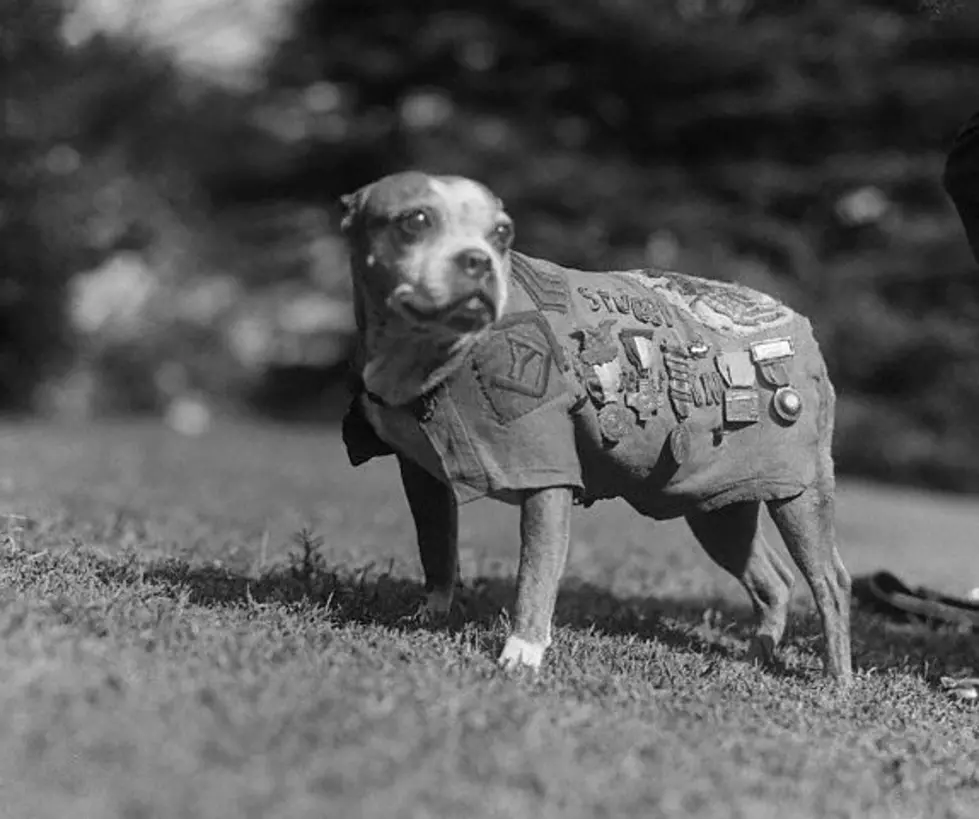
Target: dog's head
429,250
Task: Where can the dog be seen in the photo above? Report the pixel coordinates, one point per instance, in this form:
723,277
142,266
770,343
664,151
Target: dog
488,373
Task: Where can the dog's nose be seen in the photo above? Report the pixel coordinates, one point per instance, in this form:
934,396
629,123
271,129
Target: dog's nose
475,263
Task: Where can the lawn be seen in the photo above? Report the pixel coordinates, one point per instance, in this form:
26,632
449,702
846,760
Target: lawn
173,647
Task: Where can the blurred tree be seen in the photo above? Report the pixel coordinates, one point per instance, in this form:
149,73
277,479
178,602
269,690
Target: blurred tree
31,279
794,145
104,143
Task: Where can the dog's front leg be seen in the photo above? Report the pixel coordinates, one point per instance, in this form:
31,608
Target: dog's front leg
436,516
545,526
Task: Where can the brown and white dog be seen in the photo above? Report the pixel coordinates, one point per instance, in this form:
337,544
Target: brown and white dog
489,373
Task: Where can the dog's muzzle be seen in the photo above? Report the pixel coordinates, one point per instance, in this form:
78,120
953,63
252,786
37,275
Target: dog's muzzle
475,300
467,313
475,265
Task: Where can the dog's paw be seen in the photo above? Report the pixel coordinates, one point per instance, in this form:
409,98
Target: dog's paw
519,653
438,604
761,651
435,608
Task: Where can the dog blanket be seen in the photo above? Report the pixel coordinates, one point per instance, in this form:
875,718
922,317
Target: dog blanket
674,392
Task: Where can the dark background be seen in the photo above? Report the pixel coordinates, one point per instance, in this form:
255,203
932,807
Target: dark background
168,241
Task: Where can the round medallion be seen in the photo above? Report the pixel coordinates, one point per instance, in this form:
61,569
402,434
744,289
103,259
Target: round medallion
787,404
680,444
615,421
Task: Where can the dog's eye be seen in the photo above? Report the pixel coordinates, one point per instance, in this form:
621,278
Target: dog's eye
502,235
414,222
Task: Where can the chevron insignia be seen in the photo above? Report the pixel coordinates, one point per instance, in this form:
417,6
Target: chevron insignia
547,289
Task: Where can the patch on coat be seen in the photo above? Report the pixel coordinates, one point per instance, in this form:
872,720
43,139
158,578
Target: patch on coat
724,307
546,286
518,365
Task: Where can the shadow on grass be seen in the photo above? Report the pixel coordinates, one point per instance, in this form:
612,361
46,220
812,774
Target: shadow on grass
369,597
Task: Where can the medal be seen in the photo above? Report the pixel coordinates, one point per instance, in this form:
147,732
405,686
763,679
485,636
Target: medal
645,401
787,404
740,406
679,444
614,421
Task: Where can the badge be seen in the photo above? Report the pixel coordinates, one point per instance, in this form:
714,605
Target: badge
774,373
600,355
774,349
646,395
640,348
645,400
698,348
608,379
614,421
597,344
740,406
713,389
680,381
736,368
771,357
787,404
680,444
697,389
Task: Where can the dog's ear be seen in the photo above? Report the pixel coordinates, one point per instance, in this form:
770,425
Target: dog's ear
352,204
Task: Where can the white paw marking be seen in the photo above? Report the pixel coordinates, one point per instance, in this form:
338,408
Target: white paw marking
519,653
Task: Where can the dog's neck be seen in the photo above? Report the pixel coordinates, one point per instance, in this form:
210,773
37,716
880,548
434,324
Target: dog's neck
397,361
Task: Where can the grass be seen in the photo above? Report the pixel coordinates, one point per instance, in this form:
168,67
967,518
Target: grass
174,644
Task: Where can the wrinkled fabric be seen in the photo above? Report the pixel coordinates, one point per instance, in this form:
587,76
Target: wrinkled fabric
961,179
616,383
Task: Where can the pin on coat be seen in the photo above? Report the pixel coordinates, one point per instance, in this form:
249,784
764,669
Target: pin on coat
486,372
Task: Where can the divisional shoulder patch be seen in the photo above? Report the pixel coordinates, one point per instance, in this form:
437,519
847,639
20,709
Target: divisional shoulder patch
518,366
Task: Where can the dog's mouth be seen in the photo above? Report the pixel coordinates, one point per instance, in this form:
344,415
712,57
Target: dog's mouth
468,313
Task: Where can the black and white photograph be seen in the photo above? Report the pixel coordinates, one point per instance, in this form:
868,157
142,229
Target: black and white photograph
504,409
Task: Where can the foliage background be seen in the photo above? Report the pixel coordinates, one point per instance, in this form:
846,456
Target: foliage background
168,235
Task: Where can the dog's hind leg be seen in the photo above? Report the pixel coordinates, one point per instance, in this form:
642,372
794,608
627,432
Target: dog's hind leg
732,538
436,516
807,525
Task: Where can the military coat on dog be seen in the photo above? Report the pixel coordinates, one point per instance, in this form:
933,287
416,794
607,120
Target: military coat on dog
677,393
